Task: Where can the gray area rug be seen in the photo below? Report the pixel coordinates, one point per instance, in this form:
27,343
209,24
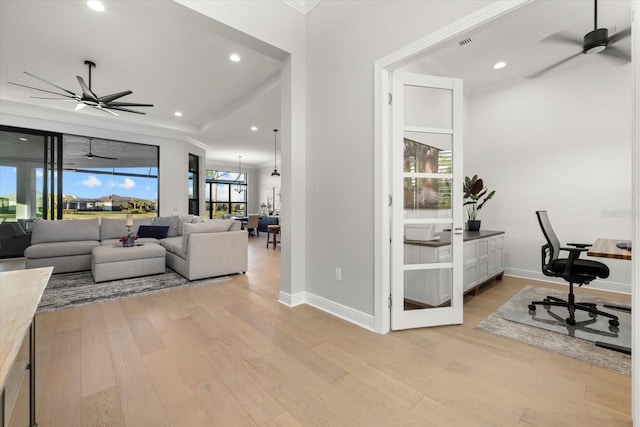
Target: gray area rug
75,289
546,329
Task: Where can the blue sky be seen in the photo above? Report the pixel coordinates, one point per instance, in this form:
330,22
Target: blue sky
90,185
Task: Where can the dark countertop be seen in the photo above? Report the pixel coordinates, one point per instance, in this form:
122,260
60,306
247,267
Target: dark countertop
445,238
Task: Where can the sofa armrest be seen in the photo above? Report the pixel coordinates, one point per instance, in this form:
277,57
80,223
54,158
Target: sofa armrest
216,254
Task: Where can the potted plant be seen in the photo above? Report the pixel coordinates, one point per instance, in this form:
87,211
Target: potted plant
475,196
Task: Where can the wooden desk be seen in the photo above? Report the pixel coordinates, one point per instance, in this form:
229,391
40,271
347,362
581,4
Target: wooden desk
20,293
606,248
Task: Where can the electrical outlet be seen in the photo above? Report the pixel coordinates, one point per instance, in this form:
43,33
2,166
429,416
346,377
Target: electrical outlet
338,273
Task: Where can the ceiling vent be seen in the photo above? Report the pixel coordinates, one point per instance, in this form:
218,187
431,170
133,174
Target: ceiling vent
464,41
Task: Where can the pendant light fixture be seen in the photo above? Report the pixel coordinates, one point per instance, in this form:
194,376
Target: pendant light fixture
275,168
240,188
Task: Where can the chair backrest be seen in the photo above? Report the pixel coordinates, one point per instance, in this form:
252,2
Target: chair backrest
551,250
252,221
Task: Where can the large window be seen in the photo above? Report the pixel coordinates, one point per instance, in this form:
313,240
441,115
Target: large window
194,179
108,178
226,194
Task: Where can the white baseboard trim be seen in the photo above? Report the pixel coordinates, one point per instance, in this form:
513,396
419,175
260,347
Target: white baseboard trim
356,317
335,309
291,300
602,285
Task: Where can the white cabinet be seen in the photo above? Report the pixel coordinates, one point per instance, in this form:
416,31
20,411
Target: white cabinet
483,261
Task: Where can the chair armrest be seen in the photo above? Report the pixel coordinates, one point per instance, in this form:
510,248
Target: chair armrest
574,254
580,245
574,250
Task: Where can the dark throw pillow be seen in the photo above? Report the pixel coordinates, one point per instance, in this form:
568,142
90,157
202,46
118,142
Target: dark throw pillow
155,231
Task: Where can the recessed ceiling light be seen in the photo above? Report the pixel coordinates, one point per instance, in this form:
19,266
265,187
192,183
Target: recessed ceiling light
235,57
23,139
254,128
96,5
499,65
177,114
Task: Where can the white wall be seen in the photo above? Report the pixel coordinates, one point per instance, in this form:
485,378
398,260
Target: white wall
174,152
344,39
560,143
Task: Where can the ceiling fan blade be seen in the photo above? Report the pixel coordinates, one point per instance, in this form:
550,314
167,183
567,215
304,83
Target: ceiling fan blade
616,53
620,35
126,109
85,90
106,110
128,104
553,66
43,90
56,99
104,157
48,82
563,37
108,98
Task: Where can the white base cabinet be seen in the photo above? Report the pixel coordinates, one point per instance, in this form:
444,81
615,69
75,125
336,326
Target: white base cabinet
483,261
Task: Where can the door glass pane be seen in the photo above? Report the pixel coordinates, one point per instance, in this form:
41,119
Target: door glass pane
428,107
428,288
427,198
427,152
431,236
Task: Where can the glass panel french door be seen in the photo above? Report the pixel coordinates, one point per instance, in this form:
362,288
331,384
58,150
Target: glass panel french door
426,243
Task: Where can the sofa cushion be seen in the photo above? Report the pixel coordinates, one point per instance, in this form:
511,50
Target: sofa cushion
137,222
171,221
182,219
67,230
60,249
211,226
112,228
237,225
174,245
155,231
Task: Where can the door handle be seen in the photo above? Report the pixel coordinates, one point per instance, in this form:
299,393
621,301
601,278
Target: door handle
457,230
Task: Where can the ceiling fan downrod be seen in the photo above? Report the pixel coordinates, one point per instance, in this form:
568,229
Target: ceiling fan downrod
91,65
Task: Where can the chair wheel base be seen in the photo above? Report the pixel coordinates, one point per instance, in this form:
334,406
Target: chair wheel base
614,323
570,321
532,307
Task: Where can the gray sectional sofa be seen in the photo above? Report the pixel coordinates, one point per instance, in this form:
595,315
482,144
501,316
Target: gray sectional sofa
194,248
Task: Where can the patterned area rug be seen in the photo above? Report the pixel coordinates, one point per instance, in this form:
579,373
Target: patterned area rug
547,329
74,289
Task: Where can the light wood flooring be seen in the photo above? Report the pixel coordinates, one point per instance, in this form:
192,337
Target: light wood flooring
228,354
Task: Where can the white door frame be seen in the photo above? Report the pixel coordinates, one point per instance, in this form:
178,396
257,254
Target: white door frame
382,143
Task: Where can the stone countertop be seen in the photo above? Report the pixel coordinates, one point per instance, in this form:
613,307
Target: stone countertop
20,293
445,238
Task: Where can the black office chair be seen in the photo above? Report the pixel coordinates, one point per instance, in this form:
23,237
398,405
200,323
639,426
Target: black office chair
573,270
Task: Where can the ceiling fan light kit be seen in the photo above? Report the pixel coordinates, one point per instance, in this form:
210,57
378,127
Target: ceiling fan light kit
596,41
105,103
